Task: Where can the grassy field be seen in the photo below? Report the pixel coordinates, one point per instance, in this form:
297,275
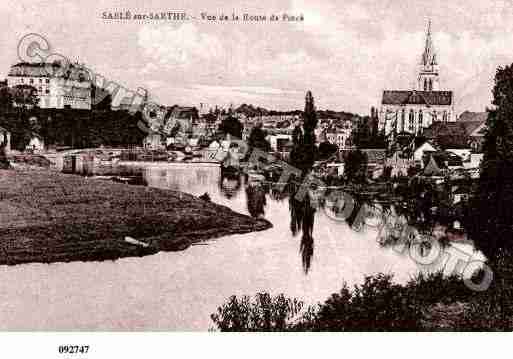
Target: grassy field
52,217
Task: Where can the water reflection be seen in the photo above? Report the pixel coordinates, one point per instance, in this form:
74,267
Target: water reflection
335,209
230,186
256,199
302,217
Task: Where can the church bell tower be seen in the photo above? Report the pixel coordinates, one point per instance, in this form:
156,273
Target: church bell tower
428,79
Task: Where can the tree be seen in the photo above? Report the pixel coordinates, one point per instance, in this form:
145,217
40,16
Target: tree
5,98
326,150
302,156
355,168
304,151
257,138
491,224
231,126
4,162
310,119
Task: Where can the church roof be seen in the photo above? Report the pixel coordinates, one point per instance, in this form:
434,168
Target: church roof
432,98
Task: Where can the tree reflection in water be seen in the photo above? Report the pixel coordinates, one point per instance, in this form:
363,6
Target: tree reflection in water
302,215
256,201
229,186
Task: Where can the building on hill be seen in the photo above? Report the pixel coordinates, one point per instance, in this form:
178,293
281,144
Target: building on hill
56,86
414,110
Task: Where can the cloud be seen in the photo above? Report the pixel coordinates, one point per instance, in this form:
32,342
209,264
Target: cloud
179,46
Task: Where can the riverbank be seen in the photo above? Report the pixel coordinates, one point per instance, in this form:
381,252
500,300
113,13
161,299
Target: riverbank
47,217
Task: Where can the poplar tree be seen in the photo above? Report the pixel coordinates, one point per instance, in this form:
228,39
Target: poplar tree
304,150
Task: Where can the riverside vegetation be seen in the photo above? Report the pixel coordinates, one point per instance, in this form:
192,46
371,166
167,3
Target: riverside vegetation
426,303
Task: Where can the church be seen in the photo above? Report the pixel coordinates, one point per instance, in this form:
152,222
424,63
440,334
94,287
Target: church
411,111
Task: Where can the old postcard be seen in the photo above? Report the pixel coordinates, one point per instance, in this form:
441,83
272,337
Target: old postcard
284,166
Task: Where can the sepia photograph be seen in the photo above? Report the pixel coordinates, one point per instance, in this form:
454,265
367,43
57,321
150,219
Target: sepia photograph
233,166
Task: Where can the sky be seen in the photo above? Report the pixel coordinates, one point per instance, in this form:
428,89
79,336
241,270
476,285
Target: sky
345,52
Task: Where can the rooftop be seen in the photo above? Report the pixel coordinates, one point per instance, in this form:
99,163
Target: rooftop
413,97
42,69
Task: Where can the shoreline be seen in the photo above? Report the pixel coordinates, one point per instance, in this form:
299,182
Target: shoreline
47,217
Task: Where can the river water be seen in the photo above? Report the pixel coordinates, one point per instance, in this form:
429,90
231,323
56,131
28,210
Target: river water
179,290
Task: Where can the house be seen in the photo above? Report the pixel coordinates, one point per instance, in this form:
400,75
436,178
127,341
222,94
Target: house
475,127
36,143
441,163
340,137
420,151
279,141
55,85
399,164
464,153
451,135
339,167
153,141
5,139
473,167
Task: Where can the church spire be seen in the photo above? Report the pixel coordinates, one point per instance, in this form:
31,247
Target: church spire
429,55
428,79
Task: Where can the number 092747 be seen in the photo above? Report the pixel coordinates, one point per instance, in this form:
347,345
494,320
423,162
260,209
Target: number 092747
73,349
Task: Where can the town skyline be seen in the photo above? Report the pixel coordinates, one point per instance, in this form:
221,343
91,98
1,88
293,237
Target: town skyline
360,50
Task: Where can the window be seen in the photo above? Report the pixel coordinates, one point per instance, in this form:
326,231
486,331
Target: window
434,116
425,85
411,123
47,91
430,85
31,81
420,121
402,120
47,81
445,116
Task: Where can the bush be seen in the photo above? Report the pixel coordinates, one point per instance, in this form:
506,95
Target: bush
263,313
427,302
376,305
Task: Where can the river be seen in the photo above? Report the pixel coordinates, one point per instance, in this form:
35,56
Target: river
179,290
